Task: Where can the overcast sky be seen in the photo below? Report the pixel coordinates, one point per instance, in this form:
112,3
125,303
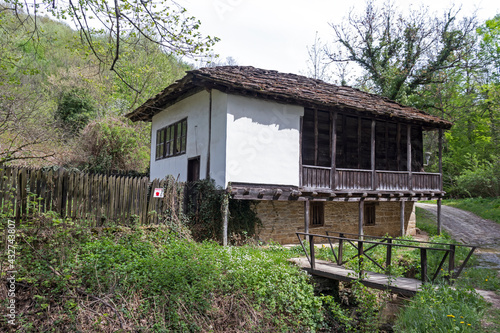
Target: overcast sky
273,34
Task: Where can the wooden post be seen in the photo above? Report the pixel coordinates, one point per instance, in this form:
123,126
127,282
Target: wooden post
361,216
372,159
438,215
423,264
359,143
311,248
209,134
225,211
451,264
388,257
341,249
398,146
402,217
333,183
316,137
360,255
440,180
408,156
307,207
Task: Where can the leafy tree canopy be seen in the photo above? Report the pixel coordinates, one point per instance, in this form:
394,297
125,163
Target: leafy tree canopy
107,27
401,52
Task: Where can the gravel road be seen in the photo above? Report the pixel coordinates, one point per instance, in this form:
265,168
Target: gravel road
469,228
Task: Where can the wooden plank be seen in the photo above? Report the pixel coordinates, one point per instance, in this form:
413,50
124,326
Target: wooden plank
307,221
372,155
333,172
143,200
126,200
22,194
315,137
402,217
81,196
64,192
3,188
408,157
111,203
402,286
359,143
99,199
361,215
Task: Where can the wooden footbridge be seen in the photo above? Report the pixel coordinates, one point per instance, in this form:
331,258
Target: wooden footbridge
364,245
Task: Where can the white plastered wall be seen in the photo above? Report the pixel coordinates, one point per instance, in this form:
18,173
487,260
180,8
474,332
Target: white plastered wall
196,109
263,141
252,140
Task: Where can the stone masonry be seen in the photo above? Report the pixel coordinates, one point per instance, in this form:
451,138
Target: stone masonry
282,219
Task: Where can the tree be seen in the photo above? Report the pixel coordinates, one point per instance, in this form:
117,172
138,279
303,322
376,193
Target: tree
399,53
318,62
106,27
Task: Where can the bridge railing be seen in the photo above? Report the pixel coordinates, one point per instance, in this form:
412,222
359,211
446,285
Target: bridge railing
363,244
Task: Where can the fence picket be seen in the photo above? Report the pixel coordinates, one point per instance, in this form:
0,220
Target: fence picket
91,199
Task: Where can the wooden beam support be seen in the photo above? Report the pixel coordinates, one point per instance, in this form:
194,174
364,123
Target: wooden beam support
333,173
372,157
361,216
225,210
307,207
402,217
209,134
439,216
408,156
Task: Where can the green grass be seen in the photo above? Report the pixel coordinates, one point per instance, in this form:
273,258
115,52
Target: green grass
479,278
442,309
487,208
426,221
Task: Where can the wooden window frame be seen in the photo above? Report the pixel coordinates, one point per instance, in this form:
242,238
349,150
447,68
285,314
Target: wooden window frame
171,140
370,214
317,214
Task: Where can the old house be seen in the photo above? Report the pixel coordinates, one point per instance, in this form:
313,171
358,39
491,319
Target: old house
316,156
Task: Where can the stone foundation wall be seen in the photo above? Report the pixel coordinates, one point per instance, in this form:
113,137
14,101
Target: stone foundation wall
282,219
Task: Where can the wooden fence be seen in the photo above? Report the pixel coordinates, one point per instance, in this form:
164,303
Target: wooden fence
91,199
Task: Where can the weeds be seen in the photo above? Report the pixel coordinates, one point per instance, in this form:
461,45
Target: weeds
442,309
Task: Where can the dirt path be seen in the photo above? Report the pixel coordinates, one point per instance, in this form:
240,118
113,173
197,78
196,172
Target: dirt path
469,228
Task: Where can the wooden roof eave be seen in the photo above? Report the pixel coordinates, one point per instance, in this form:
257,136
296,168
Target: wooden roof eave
195,82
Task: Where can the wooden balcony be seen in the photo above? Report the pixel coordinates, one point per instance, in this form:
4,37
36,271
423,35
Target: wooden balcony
314,177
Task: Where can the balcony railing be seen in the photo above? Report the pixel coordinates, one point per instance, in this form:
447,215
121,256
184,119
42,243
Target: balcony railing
315,177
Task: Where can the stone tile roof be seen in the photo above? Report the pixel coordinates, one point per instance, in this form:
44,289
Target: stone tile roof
282,88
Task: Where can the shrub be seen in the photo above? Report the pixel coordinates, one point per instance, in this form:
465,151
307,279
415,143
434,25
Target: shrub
483,180
205,213
112,144
75,109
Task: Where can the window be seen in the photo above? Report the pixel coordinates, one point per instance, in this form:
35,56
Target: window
369,213
171,140
317,214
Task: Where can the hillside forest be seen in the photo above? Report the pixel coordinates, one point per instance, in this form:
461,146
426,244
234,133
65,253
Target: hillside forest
64,91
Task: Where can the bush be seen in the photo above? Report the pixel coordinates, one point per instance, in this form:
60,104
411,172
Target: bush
481,181
205,213
75,109
112,144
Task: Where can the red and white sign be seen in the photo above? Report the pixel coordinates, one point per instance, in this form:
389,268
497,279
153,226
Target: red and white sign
158,193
